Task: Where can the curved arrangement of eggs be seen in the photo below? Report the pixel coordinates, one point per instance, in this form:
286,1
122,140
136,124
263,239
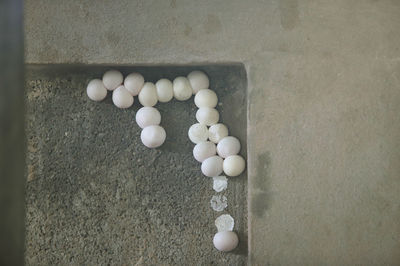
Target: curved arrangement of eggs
214,148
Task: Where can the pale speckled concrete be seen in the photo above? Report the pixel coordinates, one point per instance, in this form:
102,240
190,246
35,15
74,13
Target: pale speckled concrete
323,105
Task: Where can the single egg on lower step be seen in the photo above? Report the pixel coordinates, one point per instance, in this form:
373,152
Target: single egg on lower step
234,165
198,133
165,92
134,83
96,90
204,150
148,95
206,98
198,80
153,136
112,79
212,166
122,98
207,115
148,116
225,241
182,89
217,132
228,146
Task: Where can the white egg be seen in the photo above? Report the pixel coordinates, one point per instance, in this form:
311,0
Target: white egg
148,95
112,79
122,98
208,116
182,89
153,136
198,80
217,132
164,90
96,90
148,116
198,133
228,146
206,98
134,83
225,241
234,165
204,150
212,166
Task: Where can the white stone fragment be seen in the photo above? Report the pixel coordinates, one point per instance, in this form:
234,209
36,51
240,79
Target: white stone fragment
206,98
134,83
204,150
228,146
225,241
164,90
182,89
112,79
225,222
212,166
217,132
148,116
198,80
220,183
208,116
122,98
96,90
198,133
148,95
234,165
153,136
219,203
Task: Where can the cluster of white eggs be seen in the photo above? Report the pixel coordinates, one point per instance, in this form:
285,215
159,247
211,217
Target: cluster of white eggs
215,149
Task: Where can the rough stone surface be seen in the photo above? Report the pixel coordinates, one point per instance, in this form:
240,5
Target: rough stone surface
323,106
96,195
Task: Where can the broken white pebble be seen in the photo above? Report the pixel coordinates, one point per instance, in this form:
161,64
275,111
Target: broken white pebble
234,165
112,79
204,150
207,115
212,166
148,116
96,90
122,98
206,98
217,132
134,83
224,222
148,95
198,133
219,203
164,90
198,80
182,89
228,146
225,241
220,183
153,136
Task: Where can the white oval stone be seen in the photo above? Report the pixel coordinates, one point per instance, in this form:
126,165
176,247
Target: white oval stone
96,90
198,80
148,95
234,165
208,116
164,90
206,98
212,166
134,83
204,150
153,136
228,146
198,133
182,89
112,79
217,132
148,116
122,98
225,241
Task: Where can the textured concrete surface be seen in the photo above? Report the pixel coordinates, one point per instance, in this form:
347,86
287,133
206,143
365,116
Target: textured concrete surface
96,195
12,134
323,126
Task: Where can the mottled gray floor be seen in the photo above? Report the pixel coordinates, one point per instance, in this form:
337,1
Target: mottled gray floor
96,195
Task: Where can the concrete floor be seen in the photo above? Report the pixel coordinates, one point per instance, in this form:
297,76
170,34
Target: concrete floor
323,126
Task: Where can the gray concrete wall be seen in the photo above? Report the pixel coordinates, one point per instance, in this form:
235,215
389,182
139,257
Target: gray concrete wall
323,129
